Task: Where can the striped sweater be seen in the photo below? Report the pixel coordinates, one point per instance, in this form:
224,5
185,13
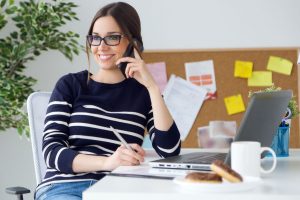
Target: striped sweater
78,118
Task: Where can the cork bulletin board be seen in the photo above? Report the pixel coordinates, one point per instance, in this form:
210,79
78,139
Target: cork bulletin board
227,84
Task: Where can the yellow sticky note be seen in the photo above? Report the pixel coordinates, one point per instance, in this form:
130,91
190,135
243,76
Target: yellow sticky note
280,65
234,104
260,78
243,69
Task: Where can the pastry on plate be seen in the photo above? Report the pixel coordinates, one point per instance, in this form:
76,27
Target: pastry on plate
226,172
201,177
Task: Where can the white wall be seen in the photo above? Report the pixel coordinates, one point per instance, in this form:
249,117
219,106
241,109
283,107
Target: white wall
166,24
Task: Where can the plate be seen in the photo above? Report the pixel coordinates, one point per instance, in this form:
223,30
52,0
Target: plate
247,184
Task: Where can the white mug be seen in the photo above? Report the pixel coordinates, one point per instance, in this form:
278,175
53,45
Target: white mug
246,157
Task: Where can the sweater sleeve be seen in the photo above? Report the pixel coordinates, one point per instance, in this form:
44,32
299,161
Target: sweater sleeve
56,151
166,143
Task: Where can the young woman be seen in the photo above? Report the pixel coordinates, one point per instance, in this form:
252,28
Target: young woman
78,143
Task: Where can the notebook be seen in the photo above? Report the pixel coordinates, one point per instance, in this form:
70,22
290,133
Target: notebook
260,122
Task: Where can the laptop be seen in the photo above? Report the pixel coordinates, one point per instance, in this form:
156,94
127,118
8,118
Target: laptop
260,122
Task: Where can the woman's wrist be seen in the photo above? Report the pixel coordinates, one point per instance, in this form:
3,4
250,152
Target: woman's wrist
102,163
153,88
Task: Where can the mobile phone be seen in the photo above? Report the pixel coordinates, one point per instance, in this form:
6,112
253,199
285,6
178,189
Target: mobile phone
128,53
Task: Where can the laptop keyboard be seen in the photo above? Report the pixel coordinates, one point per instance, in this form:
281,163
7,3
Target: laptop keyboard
206,158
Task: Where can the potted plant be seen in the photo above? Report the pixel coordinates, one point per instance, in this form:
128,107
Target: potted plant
36,30
280,143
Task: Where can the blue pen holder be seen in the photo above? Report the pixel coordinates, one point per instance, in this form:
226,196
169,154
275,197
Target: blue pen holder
281,142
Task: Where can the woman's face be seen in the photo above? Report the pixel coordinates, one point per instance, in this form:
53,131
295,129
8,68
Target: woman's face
106,56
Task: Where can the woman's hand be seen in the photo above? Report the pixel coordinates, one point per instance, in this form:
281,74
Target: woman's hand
136,68
123,156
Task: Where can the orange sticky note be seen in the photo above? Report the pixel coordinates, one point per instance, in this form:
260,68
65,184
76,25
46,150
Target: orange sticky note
234,104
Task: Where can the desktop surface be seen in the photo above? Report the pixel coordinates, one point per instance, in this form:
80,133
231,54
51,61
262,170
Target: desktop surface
283,183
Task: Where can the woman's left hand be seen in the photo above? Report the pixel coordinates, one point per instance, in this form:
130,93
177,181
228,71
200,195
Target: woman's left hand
136,68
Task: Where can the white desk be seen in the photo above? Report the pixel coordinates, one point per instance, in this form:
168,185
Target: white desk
283,183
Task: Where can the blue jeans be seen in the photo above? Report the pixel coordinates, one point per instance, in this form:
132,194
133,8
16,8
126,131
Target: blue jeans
62,191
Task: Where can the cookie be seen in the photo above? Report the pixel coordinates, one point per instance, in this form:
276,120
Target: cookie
226,172
201,177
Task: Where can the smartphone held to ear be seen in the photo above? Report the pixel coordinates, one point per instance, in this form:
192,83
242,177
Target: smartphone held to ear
128,53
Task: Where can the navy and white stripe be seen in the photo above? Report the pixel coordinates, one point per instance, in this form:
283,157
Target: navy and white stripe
78,118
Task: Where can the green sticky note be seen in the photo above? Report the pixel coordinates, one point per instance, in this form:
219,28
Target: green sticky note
260,78
280,65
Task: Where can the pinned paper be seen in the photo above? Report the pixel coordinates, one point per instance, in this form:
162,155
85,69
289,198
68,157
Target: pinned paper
184,101
280,65
206,141
234,104
222,129
159,73
298,62
260,78
202,74
243,69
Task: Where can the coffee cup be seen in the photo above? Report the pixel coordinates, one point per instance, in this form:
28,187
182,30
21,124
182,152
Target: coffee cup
246,158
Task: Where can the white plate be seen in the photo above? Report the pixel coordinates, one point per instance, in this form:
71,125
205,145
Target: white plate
247,184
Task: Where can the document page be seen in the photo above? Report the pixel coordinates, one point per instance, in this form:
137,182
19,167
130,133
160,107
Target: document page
184,101
202,74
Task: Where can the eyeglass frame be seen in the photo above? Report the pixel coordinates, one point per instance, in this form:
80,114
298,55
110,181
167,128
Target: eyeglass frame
103,39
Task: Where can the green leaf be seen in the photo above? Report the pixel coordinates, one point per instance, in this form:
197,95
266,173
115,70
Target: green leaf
36,53
14,35
2,4
11,10
11,2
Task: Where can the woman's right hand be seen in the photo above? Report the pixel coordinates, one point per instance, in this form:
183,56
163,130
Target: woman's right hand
125,157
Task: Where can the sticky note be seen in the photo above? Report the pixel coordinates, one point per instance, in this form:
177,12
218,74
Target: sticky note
260,78
243,69
234,104
280,65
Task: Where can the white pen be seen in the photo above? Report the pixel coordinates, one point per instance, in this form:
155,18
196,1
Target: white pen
121,138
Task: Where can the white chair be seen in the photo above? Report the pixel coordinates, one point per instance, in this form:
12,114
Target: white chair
37,104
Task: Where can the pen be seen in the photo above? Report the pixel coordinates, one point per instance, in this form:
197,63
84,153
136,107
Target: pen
121,138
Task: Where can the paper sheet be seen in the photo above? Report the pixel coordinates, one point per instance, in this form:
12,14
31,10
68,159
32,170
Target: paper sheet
234,104
298,62
243,69
159,73
280,65
202,74
184,101
260,78
223,129
206,141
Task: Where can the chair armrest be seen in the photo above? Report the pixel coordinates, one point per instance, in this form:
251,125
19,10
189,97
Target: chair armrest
17,190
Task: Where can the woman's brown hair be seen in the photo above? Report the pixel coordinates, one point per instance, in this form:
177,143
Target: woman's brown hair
128,20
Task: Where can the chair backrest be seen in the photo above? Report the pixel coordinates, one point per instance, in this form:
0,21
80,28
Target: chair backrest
37,104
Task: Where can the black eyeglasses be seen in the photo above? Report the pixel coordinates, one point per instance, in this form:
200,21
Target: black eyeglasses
110,40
